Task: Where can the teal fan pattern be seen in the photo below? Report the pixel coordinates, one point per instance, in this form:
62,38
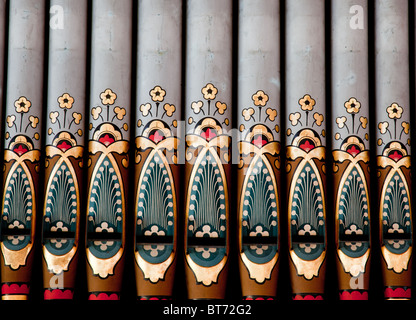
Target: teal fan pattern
307,213
155,208
396,216
259,212
353,216
207,210
17,208
61,209
105,209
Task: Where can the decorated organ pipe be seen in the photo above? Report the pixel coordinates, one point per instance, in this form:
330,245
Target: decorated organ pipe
258,121
351,146
108,146
22,146
64,151
305,152
208,93
3,27
393,152
157,175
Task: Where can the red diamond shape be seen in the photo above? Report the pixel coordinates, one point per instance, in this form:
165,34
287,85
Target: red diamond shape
64,146
208,134
353,151
156,137
259,141
307,146
20,150
396,156
106,140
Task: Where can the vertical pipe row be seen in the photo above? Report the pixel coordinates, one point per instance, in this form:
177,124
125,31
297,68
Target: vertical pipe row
207,104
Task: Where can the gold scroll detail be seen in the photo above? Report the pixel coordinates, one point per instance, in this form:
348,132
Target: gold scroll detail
154,272
104,267
308,269
57,264
354,266
16,258
206,275
259,272
396,262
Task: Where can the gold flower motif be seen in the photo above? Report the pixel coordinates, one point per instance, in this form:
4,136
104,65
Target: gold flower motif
364,122
157,94
271,113
276,128
242,128
10,120
96,112
54,116
108,97
65,101
248,113
169,109
341,122
209,91
221,107
22,105
260,98
319,118
382,126
294,118
77,117
79,132
197,106
120,112
395,111
33,121
306,103
175,123
406,127
227,121
352,106
139,123
145,109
